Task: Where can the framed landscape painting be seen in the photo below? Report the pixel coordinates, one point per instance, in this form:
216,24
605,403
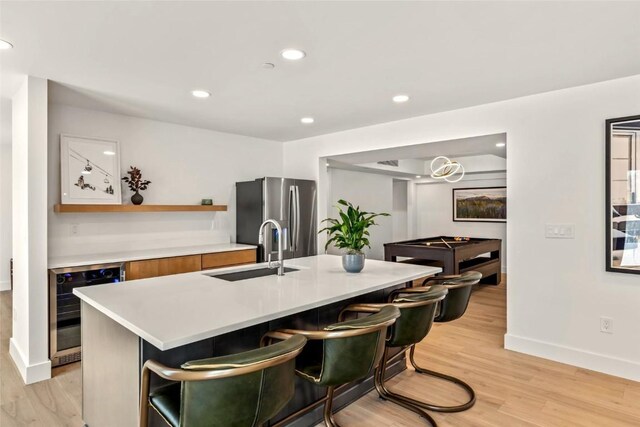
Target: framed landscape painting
90,171
486,204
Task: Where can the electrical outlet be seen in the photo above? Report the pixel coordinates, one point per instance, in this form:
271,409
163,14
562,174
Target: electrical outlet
606,325
74,229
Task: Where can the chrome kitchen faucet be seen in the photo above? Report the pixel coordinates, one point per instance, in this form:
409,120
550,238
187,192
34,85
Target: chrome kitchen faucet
280,263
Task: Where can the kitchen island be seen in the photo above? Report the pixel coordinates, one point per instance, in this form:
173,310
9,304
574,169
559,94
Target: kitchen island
190,316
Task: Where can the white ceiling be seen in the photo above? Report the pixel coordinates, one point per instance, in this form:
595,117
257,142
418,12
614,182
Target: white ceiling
453,148
472,147
144,58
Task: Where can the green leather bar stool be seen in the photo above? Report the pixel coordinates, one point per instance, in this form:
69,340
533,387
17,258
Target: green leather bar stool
451,308
417,312
341,353
240,390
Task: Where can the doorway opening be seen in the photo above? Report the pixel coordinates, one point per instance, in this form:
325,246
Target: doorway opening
467,204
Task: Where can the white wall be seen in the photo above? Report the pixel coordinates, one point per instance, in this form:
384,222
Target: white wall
434,212
28,345
185,165
373,193
399,215
558,288
5,213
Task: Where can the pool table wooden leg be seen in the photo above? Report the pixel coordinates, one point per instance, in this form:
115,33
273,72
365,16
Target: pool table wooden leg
450,266
494,279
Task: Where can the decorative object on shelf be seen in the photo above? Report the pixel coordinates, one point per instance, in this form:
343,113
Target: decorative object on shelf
443,168
485,204
622,195
136,184
350,232
89,168
207,202
137,198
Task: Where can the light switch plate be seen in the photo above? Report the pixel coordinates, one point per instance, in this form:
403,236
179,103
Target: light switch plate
559,231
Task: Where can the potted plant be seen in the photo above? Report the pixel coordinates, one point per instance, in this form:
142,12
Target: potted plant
136,184
350,232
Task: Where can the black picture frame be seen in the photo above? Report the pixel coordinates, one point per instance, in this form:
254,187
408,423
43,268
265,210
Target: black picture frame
608,204
454,208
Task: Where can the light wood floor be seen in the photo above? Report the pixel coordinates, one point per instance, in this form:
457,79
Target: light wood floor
513,389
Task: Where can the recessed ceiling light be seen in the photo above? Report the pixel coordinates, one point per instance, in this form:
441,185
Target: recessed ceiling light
400,98
293,54
328,165
307,120
109,153
500,144
418,176
5,45
200,93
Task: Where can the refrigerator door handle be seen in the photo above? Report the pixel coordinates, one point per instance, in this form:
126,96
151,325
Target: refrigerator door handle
291,225
297,217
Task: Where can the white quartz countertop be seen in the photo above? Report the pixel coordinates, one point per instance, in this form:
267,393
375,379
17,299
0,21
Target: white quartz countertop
104,258
171,311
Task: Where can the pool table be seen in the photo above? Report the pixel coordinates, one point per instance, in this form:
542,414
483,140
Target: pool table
454,255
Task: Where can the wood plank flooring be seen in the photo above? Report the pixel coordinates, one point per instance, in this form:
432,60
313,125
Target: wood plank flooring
512,389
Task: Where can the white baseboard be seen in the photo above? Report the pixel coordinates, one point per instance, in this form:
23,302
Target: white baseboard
30,373
574,356
5,285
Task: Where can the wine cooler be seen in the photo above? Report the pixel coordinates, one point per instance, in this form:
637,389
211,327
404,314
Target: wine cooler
64,307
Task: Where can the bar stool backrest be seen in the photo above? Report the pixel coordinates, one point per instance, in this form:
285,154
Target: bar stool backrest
417,311
343,359
457,300
248,399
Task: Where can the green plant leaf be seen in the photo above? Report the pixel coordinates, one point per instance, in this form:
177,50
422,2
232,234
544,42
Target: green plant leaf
350,231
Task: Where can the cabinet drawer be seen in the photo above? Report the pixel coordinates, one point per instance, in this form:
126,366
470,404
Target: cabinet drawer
142,269
179,264
226,259
162,267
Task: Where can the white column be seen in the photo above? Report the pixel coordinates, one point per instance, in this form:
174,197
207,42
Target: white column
5,195
412,211
324,202
28,344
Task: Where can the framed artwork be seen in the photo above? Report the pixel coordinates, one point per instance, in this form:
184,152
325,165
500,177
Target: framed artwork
90,171
622,186
485,204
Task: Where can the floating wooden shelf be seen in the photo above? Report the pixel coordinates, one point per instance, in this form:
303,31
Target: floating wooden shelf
137,208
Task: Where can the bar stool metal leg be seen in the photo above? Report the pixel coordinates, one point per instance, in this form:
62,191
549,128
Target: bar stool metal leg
413,404
458,382
379,379
328,407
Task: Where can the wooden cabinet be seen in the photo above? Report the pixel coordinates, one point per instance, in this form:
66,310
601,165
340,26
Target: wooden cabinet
177,265
141,269
226,259
163,266
147,268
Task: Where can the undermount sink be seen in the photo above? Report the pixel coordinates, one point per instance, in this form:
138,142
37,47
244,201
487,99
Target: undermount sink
249,274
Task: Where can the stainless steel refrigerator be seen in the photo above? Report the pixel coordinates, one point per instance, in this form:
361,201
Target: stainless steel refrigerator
292,202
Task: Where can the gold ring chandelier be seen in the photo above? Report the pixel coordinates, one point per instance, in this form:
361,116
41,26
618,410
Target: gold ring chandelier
443,168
